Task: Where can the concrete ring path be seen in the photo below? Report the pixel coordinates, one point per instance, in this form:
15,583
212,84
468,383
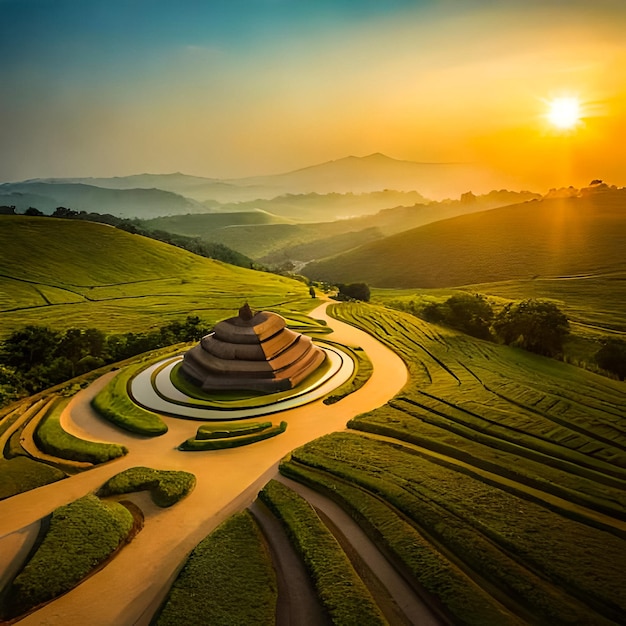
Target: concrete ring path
129,588
153,389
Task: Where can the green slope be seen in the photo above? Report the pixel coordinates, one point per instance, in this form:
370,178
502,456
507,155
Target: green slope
66,273
558,237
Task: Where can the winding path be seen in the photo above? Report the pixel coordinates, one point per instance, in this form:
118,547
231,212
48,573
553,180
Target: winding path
128,590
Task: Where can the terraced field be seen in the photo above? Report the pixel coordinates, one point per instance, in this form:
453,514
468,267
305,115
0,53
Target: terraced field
511,469
88,275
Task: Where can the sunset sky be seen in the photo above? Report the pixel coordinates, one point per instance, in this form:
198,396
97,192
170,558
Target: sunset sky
228,88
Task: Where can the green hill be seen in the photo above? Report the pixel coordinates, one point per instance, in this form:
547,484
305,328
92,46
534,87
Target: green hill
119,202
266,236
70,273
548,238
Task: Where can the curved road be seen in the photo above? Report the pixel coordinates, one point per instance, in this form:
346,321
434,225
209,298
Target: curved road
129,588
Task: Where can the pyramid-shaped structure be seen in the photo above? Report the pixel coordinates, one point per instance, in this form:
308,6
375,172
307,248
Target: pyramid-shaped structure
253,351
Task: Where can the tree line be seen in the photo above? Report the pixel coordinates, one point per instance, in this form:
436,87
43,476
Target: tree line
34,358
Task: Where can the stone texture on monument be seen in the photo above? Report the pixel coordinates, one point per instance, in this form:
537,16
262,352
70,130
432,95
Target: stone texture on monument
253,351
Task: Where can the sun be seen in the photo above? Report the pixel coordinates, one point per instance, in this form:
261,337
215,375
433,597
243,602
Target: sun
564,113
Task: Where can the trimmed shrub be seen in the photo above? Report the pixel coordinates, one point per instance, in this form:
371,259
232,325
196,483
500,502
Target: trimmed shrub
114,404
52,439
166,487
229,429
81,536
222,442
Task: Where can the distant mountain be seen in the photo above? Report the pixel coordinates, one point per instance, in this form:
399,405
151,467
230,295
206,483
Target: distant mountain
274,240
375,172
316,207
551,237
46,196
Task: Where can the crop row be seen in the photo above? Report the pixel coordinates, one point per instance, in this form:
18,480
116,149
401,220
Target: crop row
447,589
483,452
501,392
340,589
527,551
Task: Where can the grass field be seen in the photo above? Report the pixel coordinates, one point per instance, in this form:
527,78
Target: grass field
88,275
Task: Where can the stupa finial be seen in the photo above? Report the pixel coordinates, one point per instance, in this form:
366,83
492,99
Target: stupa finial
246,313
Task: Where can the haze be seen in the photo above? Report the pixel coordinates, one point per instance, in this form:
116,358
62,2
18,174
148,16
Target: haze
236,88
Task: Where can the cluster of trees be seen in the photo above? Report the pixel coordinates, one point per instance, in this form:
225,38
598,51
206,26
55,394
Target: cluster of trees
353,291
36,357
196,245
535,325
612,357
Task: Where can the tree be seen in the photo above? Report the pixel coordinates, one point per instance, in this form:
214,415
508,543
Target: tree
62,211
312,291
30,346
32,211
354,291
535,325
612,357
470,313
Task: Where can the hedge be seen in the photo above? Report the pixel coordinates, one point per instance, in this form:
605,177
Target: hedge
166,487
52,439
222,443
81,536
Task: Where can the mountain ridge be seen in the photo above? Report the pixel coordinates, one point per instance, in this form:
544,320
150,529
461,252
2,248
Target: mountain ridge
374,172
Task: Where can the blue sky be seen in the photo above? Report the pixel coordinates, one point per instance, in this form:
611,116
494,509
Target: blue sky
239,87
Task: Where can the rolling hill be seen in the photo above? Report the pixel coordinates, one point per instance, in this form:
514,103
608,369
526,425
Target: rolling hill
71,273
46,196
548,238
273,240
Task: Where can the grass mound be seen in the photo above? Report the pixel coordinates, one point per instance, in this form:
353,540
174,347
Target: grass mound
81,535
166,487
22,473
114,404
231,436
52,439
228,579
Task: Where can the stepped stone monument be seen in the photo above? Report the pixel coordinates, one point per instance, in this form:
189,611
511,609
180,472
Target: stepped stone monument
253,351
